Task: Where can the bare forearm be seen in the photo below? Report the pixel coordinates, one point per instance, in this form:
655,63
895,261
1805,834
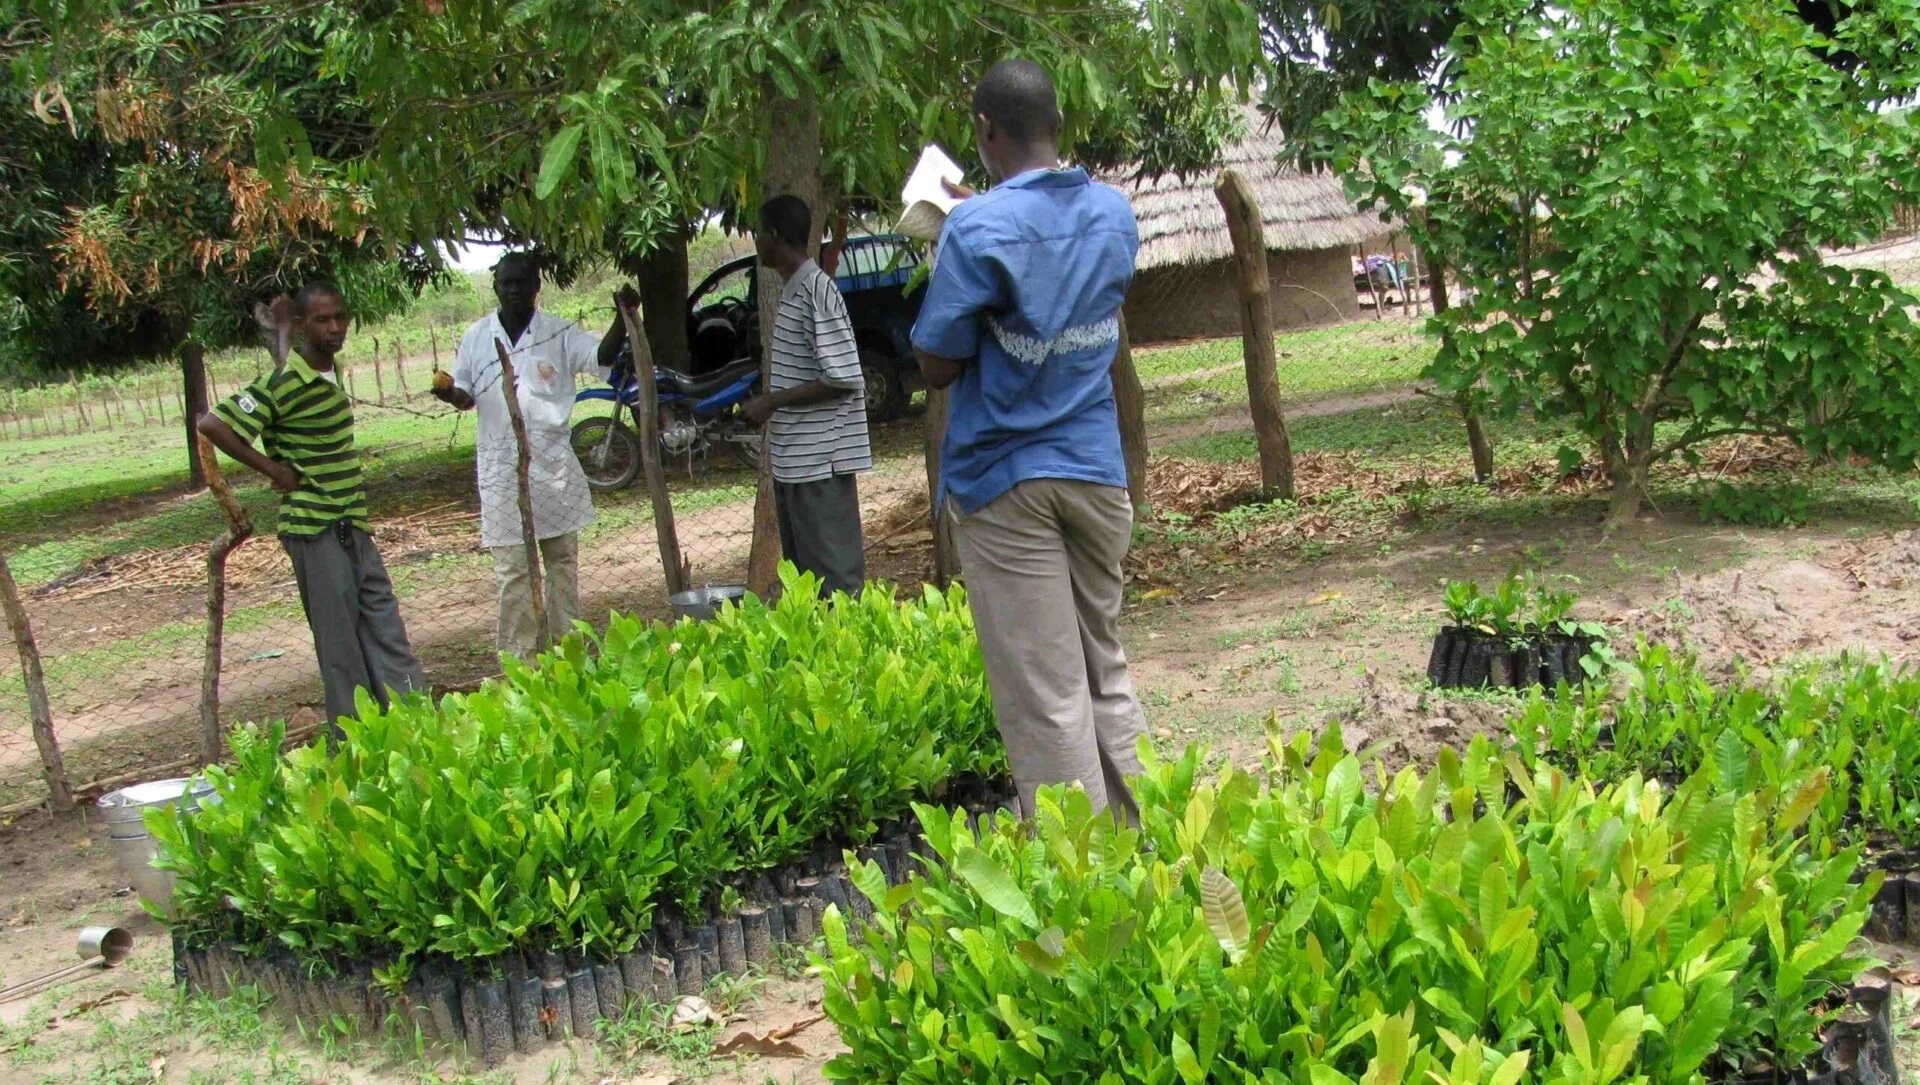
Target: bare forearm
234,445
938,372
611,342
801,395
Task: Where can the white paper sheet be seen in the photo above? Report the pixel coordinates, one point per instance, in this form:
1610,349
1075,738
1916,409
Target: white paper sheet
926,199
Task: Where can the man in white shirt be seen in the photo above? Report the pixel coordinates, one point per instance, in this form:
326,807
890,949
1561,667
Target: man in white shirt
548,354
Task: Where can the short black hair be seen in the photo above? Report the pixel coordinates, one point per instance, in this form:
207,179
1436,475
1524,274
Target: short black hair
303,297
1017,97
518,259
789,219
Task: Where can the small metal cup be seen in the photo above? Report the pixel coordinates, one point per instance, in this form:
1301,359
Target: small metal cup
111,944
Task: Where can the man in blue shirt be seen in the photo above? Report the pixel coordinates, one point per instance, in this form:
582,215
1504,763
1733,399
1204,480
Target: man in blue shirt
1020,322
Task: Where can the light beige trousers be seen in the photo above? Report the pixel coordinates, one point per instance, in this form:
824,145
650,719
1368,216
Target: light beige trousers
1042,568
560,558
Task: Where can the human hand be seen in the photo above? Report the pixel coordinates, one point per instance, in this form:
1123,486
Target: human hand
284,478
758,409
957,190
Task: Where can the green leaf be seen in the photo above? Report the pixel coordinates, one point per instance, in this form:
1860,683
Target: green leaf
994,886
1225,911
558,159
1186,1063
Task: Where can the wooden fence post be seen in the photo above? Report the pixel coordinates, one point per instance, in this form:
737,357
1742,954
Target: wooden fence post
946,555
379,378
39,709
1256,332
400,370
1130,403
647,415
523,466
239,530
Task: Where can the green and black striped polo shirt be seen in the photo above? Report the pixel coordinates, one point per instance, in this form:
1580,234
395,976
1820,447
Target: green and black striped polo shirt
305,421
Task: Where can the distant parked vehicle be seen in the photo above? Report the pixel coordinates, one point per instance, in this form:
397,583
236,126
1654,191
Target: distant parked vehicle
723,317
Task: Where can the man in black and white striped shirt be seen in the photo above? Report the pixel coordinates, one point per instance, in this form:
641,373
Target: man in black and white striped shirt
815,409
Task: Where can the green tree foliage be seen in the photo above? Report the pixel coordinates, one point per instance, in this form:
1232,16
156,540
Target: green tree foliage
1638,196
609,128
1319,52
136,212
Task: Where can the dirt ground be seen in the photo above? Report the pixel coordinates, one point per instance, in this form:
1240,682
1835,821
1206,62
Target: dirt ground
1215,656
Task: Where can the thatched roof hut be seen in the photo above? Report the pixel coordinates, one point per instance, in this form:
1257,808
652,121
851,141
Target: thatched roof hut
1183,287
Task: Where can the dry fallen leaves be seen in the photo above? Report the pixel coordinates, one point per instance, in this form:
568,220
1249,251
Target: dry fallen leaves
775,1043
116,995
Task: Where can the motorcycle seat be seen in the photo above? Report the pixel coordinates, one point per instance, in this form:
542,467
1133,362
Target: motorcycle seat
707,383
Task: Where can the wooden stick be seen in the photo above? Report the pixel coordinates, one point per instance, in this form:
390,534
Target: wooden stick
1256,328
400,370
379,378
523,467
946,556
1130,403
59,789
647,414
239,530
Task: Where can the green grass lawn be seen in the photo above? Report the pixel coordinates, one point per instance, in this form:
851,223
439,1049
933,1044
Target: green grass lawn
1193,380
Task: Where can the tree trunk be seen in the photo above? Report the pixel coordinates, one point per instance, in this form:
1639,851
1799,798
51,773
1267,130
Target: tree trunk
946,556
792,127
193,382
1629,485
1477,441
1256,331
39,710
1130,403
660,276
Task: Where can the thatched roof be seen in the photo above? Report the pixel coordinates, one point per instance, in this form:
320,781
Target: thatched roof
1181,221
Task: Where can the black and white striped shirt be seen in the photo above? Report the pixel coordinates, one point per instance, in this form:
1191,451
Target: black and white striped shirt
813,340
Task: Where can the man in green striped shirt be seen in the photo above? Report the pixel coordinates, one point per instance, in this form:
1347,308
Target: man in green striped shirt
304,423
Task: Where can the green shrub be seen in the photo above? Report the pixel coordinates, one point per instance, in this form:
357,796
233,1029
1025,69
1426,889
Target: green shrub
1301,927
1781,505
560,803
1856,725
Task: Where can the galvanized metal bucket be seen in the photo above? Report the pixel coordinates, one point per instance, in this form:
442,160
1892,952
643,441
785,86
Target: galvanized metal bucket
133,847
701,604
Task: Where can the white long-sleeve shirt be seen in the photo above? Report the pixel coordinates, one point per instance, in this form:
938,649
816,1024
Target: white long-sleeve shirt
548,357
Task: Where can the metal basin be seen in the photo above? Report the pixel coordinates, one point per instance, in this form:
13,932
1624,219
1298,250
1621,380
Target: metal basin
701,604
134,856
132,846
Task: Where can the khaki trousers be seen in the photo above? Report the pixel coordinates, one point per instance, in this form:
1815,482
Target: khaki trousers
1042,568
517,632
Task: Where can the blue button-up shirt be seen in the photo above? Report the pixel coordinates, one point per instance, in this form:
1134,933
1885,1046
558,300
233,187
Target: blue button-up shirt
1026,289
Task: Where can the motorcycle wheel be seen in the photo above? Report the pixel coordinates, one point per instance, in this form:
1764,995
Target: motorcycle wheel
745,446
609,453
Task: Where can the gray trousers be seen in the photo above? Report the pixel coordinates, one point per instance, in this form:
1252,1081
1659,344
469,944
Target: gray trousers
1042,568
357,634
517,633
820,531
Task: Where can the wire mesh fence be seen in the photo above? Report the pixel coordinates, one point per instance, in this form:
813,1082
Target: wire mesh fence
110,552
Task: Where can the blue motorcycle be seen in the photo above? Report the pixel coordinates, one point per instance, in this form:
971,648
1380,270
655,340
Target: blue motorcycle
696,414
